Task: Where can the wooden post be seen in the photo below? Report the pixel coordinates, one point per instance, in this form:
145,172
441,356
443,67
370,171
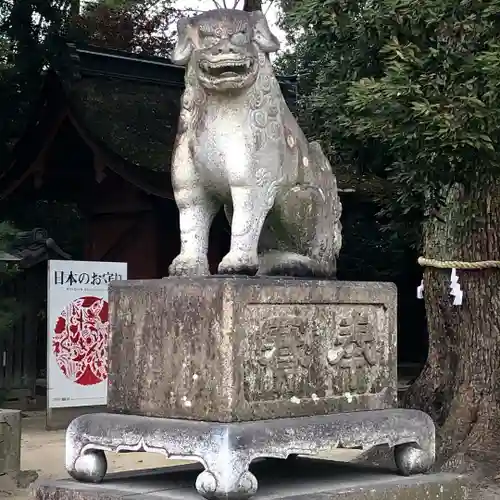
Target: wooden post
75,8
251,5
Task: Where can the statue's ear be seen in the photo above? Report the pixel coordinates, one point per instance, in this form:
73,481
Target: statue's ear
262,35
185,42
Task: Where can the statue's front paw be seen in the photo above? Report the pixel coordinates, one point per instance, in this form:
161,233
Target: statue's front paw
189,265
239,263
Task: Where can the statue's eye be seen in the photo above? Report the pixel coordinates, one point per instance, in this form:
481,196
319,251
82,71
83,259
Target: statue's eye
210,41
239,38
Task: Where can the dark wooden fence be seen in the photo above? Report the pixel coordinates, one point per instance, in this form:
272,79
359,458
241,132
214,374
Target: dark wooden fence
22,346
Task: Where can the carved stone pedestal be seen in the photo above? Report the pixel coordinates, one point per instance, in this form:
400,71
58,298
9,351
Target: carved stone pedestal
226,450
237,349
228,370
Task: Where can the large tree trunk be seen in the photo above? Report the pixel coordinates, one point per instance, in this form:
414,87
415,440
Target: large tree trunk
251,5
459,386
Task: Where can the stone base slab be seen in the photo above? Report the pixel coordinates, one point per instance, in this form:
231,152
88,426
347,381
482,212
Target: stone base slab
300,479
227,450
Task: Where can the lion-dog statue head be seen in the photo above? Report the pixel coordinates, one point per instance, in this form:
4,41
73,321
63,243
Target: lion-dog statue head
223,46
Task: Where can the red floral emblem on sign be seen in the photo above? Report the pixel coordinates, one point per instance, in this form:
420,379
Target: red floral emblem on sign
80,341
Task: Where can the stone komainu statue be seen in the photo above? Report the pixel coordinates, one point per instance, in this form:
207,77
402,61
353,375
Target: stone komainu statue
239,146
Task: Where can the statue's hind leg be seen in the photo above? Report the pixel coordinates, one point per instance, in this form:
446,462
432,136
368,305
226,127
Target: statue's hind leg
298,237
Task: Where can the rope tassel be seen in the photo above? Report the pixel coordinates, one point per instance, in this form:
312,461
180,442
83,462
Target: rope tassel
455,290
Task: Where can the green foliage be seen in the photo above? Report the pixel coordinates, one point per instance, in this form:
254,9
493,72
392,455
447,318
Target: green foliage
403,90
143,27
29,41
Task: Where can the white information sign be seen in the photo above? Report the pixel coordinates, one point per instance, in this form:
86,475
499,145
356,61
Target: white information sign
78,329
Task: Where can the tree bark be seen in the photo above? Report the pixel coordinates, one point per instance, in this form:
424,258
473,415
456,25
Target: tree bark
459,385
251,5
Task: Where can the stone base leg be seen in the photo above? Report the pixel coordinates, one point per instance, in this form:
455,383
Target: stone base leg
221,479
227,479
227,450
90,467
411,459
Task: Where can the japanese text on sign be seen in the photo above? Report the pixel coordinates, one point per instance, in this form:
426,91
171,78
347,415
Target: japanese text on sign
71,278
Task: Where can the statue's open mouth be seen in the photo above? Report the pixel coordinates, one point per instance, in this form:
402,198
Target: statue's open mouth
226,69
